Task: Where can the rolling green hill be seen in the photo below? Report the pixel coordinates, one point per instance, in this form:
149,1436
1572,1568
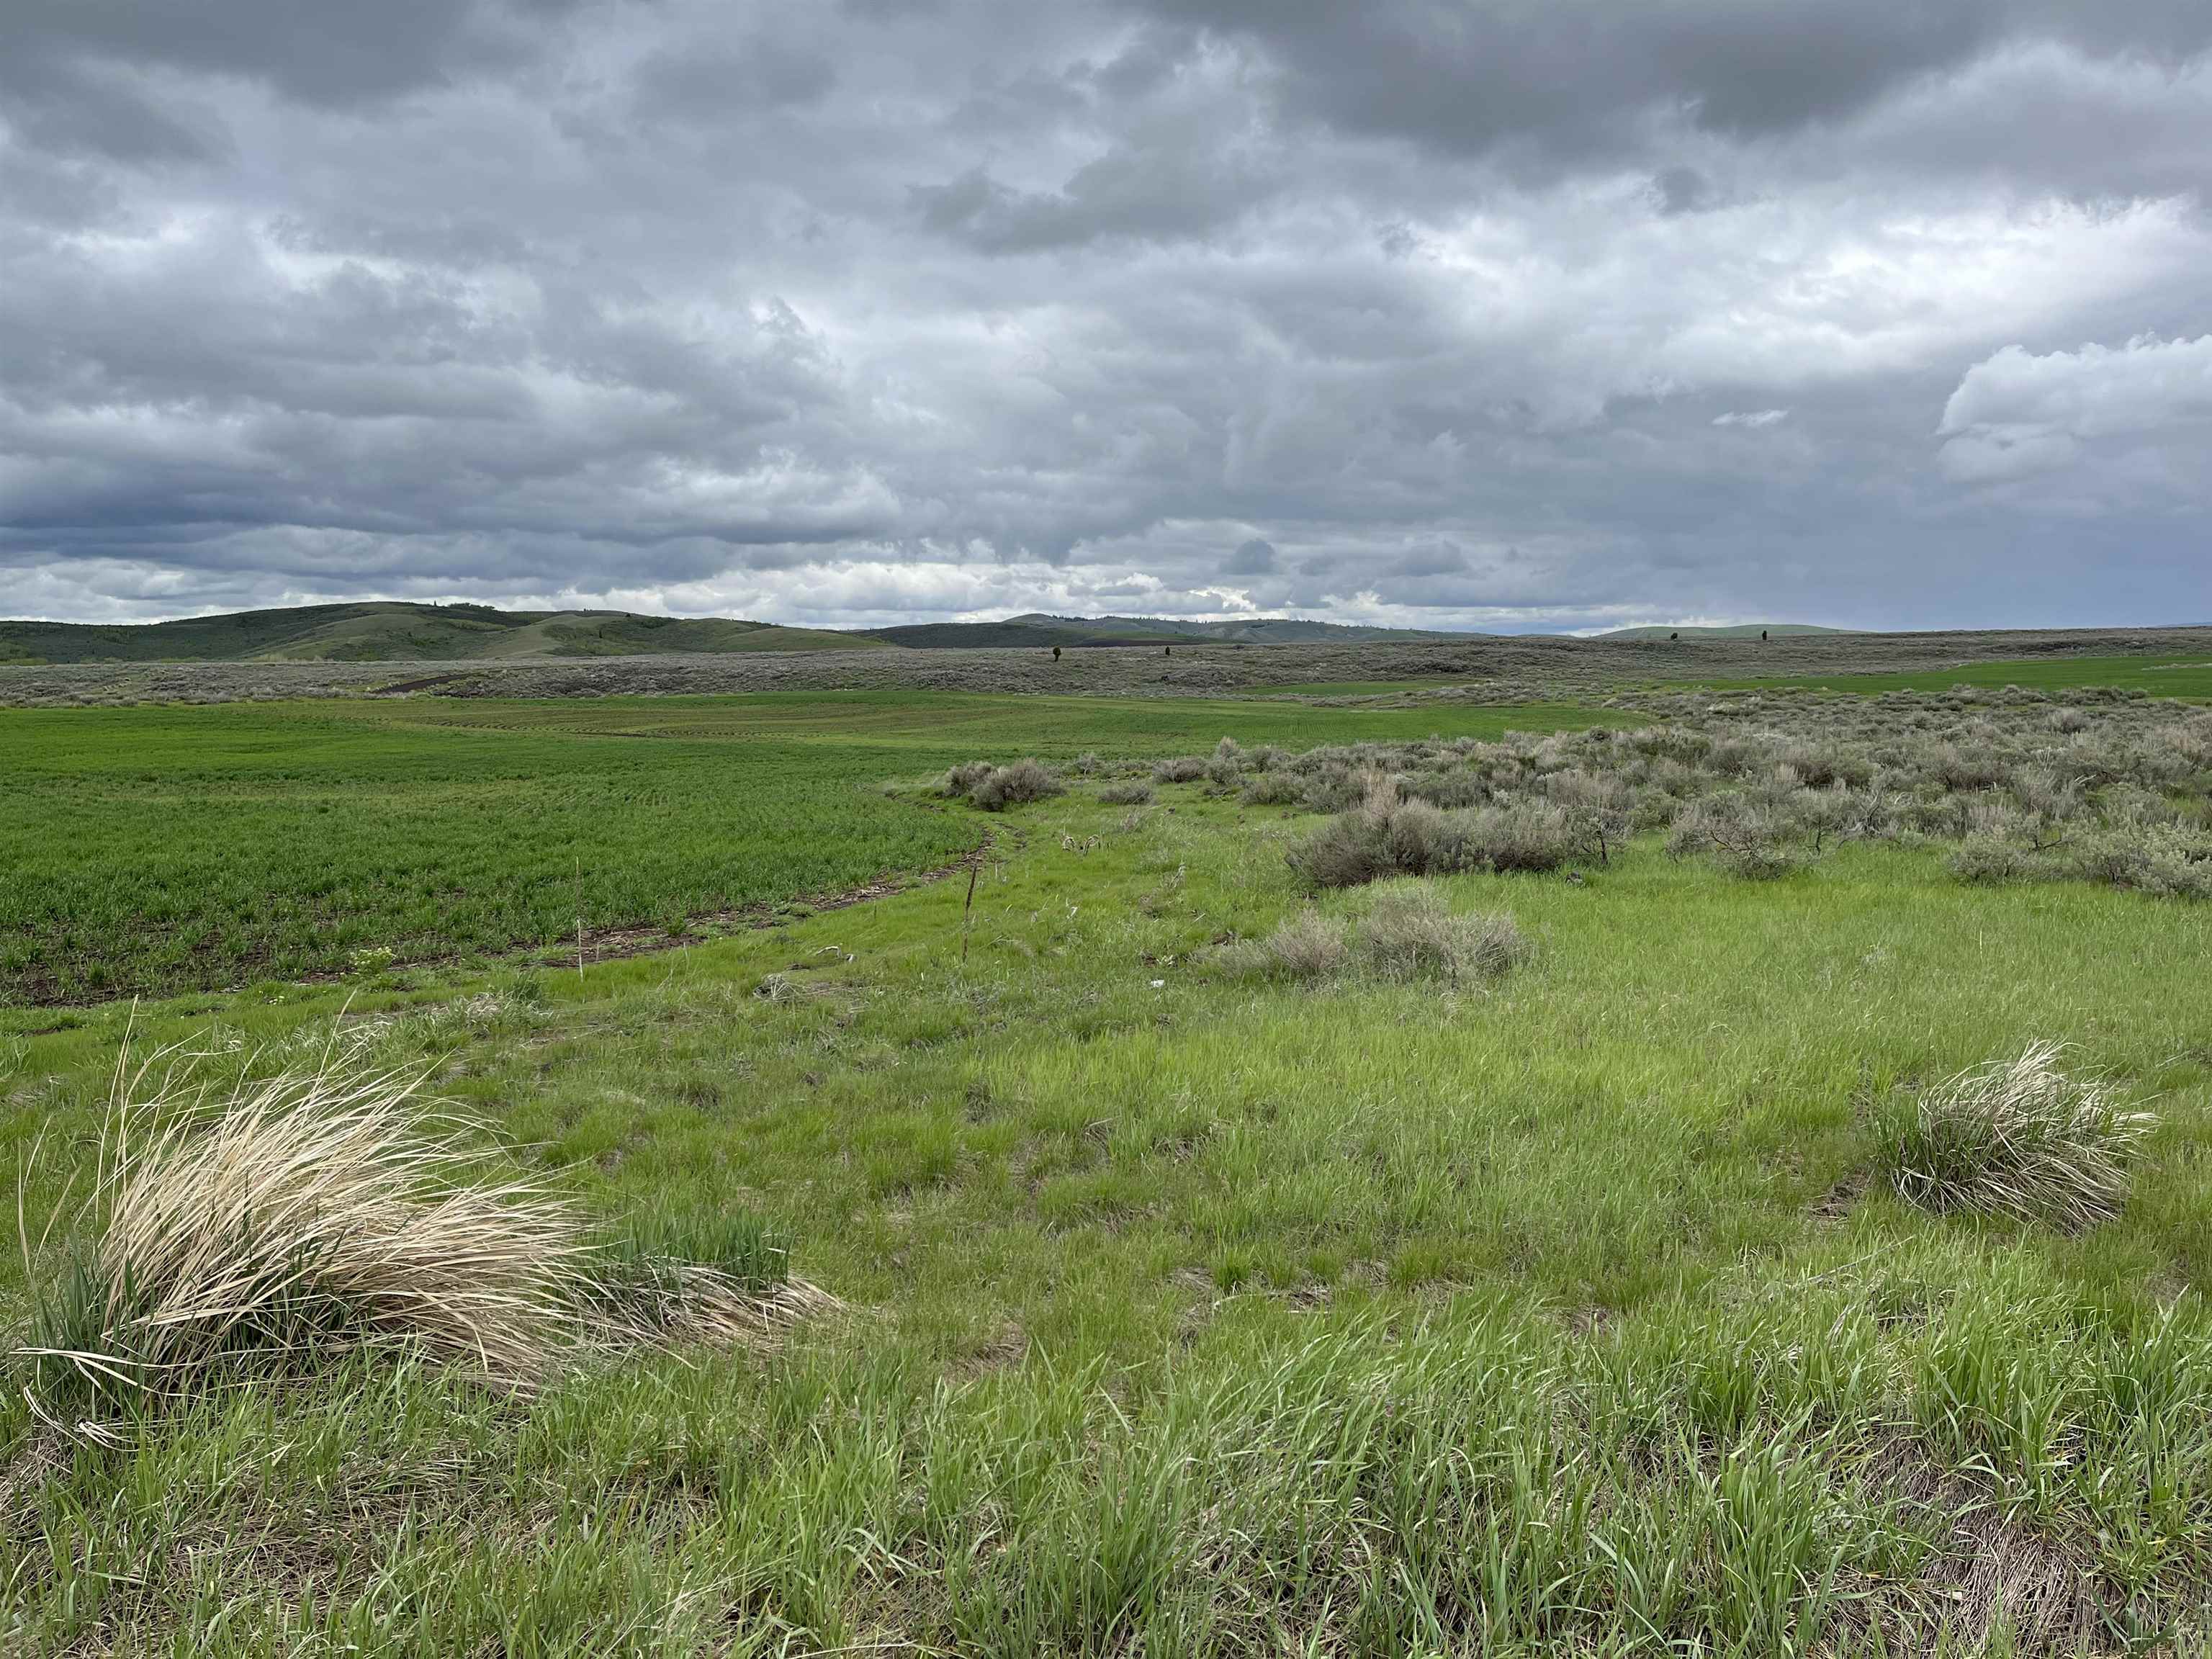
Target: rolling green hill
395,632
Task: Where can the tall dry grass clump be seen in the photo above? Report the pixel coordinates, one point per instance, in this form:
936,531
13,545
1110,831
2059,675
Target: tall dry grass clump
307,1210
231,1235
2019,1137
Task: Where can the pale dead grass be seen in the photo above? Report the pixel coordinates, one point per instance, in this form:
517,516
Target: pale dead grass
2020,1137
232,1235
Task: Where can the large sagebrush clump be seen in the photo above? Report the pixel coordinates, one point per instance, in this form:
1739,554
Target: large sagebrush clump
994,788
2020,1137
2174,861
1387,835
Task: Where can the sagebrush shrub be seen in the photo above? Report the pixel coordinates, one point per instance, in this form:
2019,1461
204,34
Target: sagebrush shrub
1134,793
1407,931
1522,835
1351,849
1274,789
2171,860
1307,946
1023,781
1990,860
963,779
1410,931
1424,840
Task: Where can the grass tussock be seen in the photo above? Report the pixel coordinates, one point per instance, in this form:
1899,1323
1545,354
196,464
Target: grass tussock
264,1230
2019,1137
308,1210
1407,932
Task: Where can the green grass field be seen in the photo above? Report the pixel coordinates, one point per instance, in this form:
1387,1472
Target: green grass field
2188,677
164,849
1182,1312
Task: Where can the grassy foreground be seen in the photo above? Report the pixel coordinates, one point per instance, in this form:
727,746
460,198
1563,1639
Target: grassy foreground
1562,1313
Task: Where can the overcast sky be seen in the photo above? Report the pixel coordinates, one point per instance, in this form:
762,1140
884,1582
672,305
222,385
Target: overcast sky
1496,315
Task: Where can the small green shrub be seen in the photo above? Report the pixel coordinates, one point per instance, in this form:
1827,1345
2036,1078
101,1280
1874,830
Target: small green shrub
1991,860
1308,946
1410,931
1134,792
1274,789
1407,931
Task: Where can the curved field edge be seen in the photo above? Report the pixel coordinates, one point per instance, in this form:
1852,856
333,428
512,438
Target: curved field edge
153,850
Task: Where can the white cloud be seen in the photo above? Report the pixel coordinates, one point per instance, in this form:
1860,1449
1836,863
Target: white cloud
2017,414
1755,418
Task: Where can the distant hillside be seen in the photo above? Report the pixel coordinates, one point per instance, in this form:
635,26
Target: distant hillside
1073,632
1743,631
394,632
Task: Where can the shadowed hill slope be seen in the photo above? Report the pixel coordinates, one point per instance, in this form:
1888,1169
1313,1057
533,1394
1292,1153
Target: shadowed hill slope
399,632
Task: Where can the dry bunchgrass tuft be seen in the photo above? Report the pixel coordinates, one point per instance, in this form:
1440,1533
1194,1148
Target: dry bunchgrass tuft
2019,1137
306,1211
258,1232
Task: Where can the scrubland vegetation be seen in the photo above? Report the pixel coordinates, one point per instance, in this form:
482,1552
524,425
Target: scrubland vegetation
1634,1184
2110,789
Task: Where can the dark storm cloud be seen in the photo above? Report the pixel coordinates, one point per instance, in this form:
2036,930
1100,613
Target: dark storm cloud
1530,313
321,51
1575,78
1254,558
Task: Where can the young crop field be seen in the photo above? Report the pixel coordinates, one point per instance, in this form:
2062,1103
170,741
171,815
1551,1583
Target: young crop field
164,849
2186,674
1726,1179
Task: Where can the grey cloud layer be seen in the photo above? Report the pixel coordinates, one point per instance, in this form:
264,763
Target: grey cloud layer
1530,314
